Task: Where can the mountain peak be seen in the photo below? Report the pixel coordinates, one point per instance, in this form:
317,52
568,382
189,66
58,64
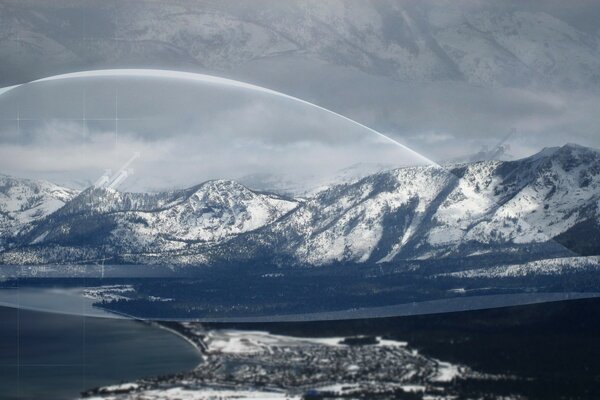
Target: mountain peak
24,201
572,150
220,184
568,149
573,146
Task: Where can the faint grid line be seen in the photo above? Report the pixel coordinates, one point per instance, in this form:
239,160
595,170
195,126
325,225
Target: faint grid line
82,119
83,338
116,117
21,365
19,290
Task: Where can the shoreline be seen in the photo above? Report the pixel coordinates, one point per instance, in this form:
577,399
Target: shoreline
422,308
434,344
160,325
175,332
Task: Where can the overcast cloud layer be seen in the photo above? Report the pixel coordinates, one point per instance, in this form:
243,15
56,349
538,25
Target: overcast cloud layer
185,132
444,77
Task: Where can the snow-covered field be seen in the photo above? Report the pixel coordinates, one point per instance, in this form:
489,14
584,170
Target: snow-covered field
178,393
557,266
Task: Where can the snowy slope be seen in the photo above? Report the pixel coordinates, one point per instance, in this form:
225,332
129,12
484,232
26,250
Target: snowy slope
23,201
545,205
353,222
557,266
543,196
428,212
121,223
213,212
527,201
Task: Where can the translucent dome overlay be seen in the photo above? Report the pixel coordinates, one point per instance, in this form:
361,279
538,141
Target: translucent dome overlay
179,129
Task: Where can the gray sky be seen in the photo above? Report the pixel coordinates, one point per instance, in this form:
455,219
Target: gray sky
186,132
443,77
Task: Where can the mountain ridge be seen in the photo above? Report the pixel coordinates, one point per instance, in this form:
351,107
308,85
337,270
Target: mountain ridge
536,205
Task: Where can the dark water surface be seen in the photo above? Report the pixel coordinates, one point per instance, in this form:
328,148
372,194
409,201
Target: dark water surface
53,356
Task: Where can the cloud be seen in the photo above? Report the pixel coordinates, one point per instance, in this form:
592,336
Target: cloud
472,115
439,119
186,133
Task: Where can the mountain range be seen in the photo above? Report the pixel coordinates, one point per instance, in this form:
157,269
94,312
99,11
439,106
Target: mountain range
543,206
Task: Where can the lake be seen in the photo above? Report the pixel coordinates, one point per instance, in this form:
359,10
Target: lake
55,356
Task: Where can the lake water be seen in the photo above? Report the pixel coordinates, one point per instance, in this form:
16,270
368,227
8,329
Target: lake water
53,356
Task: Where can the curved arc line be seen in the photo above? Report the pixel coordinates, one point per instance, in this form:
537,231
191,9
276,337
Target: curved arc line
211,79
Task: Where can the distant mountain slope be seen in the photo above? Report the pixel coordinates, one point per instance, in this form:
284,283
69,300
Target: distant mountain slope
489,45
23,201
543,206
427,212
108,223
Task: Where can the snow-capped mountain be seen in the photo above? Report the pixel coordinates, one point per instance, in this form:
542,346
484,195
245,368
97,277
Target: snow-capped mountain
23,201
545,205
526,201
105,222
539,204
309,185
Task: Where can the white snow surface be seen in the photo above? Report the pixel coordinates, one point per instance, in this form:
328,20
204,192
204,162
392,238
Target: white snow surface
182,393
420,212
23,201
253,342
556,266
217,210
